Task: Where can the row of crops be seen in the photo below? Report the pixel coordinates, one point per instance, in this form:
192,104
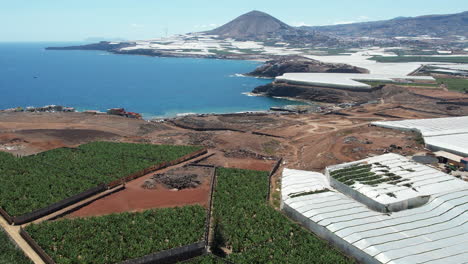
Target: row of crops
119,237
257,233
363,174
34,182
452,59
206,259
9,253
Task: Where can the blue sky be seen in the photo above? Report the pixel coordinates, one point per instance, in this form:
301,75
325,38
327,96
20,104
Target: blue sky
67,20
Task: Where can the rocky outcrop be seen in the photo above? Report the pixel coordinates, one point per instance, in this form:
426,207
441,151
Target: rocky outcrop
286,64
306,93
316,94
388,93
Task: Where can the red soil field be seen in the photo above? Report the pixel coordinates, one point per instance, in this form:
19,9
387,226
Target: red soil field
136,198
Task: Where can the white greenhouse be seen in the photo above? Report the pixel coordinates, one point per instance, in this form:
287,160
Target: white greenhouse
433,230
449,134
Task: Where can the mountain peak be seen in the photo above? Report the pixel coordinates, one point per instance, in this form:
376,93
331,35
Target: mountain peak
252,25
256,13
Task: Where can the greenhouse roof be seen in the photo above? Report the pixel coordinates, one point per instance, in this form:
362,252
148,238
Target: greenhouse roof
449,134
344,80
433,233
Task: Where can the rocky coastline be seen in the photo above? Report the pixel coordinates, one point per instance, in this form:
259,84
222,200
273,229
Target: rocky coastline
117,48
280,65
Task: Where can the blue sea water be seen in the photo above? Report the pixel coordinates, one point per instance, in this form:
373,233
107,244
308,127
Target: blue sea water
33,76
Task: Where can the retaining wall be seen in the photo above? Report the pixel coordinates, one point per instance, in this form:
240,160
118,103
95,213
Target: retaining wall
26,218
210,206
44,256
6,216
265,134
272,172
172,255
157,167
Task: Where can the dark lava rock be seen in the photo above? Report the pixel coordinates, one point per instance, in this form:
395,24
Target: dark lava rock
349,140
285,64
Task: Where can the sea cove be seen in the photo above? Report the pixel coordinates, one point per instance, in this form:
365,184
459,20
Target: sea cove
155,87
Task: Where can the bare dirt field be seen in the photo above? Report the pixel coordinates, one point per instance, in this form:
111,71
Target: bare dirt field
305,141
136,198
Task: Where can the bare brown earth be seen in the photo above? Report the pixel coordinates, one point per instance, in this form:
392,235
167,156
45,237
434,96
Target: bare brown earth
136,198
305,141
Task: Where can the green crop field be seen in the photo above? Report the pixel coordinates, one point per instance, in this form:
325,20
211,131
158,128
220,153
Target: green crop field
413,52
454,84
377,84
207,259
257,233
9,253
119,237
34,182
453,59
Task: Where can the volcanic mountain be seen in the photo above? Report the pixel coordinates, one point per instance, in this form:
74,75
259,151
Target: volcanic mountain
261,26
431,25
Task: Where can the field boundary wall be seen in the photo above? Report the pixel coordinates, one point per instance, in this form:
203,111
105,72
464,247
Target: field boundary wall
157,167
272,172
31,242
173,255
26,218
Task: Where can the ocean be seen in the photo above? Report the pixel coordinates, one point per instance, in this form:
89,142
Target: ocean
155,87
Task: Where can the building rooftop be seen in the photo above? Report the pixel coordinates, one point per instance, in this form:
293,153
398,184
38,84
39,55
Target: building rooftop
448,134
435,232
344,80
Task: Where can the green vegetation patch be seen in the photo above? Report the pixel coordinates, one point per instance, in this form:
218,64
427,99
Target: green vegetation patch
257,233
405,52
454,84
119,237
206,259
453,59
308,193
378,84
9,252
363,174
34,182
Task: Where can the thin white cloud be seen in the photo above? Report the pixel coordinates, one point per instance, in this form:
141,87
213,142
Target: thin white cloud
300,24
343,22
356,20
207,26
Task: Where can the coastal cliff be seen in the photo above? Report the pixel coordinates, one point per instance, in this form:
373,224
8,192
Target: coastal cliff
317,94
286,64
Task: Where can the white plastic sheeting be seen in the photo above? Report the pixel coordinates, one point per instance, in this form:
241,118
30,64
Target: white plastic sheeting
417,180
297,182
344,80
449,134
434,233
